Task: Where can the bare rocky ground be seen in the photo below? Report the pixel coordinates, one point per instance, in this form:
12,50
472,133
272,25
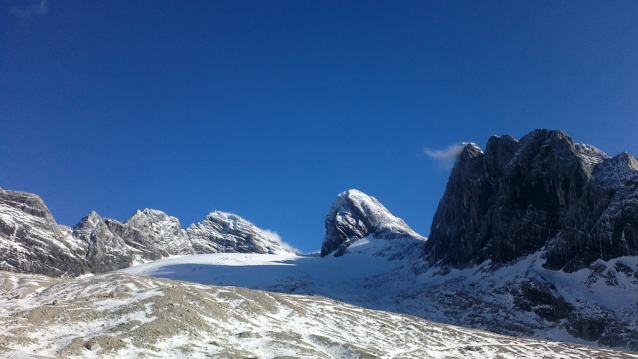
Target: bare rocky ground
118,315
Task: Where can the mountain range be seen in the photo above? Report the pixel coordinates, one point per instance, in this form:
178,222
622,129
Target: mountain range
534,237
32,242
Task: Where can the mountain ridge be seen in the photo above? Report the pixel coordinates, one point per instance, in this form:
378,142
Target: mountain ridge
32,242
532,237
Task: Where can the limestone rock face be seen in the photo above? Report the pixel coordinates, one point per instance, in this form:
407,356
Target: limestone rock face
544,192
355,215
105,250
155,229
31,240
222,232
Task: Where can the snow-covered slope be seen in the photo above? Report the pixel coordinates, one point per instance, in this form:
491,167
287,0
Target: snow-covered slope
563,306
595,306
122,316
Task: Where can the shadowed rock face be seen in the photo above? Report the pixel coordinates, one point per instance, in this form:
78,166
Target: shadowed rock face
355,215
544,192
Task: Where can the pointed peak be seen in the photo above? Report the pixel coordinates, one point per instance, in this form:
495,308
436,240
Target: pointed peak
469,150
355,215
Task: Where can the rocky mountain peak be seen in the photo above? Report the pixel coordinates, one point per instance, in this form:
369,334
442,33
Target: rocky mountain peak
28,203
222,232
355,215
544,192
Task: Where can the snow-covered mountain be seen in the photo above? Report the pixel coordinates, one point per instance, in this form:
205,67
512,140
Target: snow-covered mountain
466,278
557,221
228,233
543,193
122,316
32,242
532,238
355,215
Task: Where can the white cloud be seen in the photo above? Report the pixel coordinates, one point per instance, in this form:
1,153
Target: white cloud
32,10
275,237
445,157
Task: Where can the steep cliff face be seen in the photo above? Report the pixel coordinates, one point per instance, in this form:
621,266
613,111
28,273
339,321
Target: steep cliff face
31,240
544,192
355,215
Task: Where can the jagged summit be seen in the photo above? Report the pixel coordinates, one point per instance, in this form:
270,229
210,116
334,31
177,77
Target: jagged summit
544,192
230,233
32,242
355,215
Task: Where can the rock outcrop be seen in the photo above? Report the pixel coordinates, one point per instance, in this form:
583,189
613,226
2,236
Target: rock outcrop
31,241
355,215
542,193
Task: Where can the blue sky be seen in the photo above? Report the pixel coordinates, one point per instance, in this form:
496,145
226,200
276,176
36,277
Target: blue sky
269,109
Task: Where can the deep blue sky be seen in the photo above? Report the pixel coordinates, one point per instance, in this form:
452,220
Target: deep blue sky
269,109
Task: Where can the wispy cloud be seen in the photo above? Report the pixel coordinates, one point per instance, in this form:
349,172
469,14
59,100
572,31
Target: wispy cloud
446,157
32,10
275,237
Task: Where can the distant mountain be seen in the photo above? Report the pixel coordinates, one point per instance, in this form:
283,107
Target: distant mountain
535,238
228,233
493,260
32,242
355,215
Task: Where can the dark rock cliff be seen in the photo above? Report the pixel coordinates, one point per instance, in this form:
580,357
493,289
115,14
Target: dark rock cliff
544,192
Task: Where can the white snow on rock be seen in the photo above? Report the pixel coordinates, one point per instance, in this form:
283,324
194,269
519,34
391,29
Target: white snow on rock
355,215
122,316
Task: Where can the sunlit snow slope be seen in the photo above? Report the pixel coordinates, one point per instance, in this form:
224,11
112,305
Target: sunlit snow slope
476,297
122,316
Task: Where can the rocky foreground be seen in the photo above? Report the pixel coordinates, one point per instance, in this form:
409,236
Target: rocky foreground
118,315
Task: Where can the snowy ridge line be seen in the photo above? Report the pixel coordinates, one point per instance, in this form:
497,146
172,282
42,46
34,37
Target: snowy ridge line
32,242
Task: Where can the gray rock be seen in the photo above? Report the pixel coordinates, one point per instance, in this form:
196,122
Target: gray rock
31,240
545,192
160,231
222,232
105,249
547,197
355,215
